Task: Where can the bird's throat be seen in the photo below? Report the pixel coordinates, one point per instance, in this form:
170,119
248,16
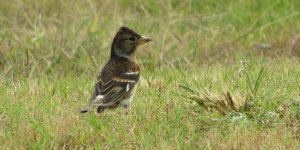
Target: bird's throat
117,52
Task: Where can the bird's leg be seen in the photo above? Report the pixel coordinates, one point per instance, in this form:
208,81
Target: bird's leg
127,109
100,109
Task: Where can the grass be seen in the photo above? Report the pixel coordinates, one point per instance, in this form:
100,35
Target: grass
194,93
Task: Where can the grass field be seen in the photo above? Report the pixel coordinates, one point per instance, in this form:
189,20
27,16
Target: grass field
219,74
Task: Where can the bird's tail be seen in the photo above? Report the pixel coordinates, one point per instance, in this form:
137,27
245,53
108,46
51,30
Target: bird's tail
93,104
88,108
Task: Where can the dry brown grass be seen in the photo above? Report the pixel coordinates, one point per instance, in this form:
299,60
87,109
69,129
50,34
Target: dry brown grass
223,103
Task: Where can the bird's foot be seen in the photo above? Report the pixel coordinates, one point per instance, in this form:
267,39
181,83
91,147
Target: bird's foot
127,109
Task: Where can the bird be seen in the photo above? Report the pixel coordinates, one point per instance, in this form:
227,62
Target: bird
117,82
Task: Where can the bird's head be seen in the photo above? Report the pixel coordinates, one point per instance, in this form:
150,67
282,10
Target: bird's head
126,41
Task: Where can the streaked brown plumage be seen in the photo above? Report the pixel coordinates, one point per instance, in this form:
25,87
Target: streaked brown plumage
117,81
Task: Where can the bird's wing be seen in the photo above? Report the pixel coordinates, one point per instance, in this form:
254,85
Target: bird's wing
116,88
109,93
114,83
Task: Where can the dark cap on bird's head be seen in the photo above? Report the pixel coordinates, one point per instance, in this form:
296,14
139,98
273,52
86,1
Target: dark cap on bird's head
126,41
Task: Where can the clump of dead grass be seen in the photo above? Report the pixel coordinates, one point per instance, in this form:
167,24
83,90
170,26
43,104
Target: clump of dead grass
222,102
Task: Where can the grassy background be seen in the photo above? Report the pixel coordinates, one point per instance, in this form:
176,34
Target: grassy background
51,53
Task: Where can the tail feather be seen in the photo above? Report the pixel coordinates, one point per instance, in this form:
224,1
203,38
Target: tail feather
86,109
93,103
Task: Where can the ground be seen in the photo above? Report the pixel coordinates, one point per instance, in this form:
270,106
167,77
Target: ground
217,75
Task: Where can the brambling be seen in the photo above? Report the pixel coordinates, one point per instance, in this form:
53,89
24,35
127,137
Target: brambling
117,81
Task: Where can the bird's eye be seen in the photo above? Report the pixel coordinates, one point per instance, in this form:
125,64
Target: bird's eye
132,38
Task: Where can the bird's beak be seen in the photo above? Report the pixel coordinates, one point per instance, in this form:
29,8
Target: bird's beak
143,40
